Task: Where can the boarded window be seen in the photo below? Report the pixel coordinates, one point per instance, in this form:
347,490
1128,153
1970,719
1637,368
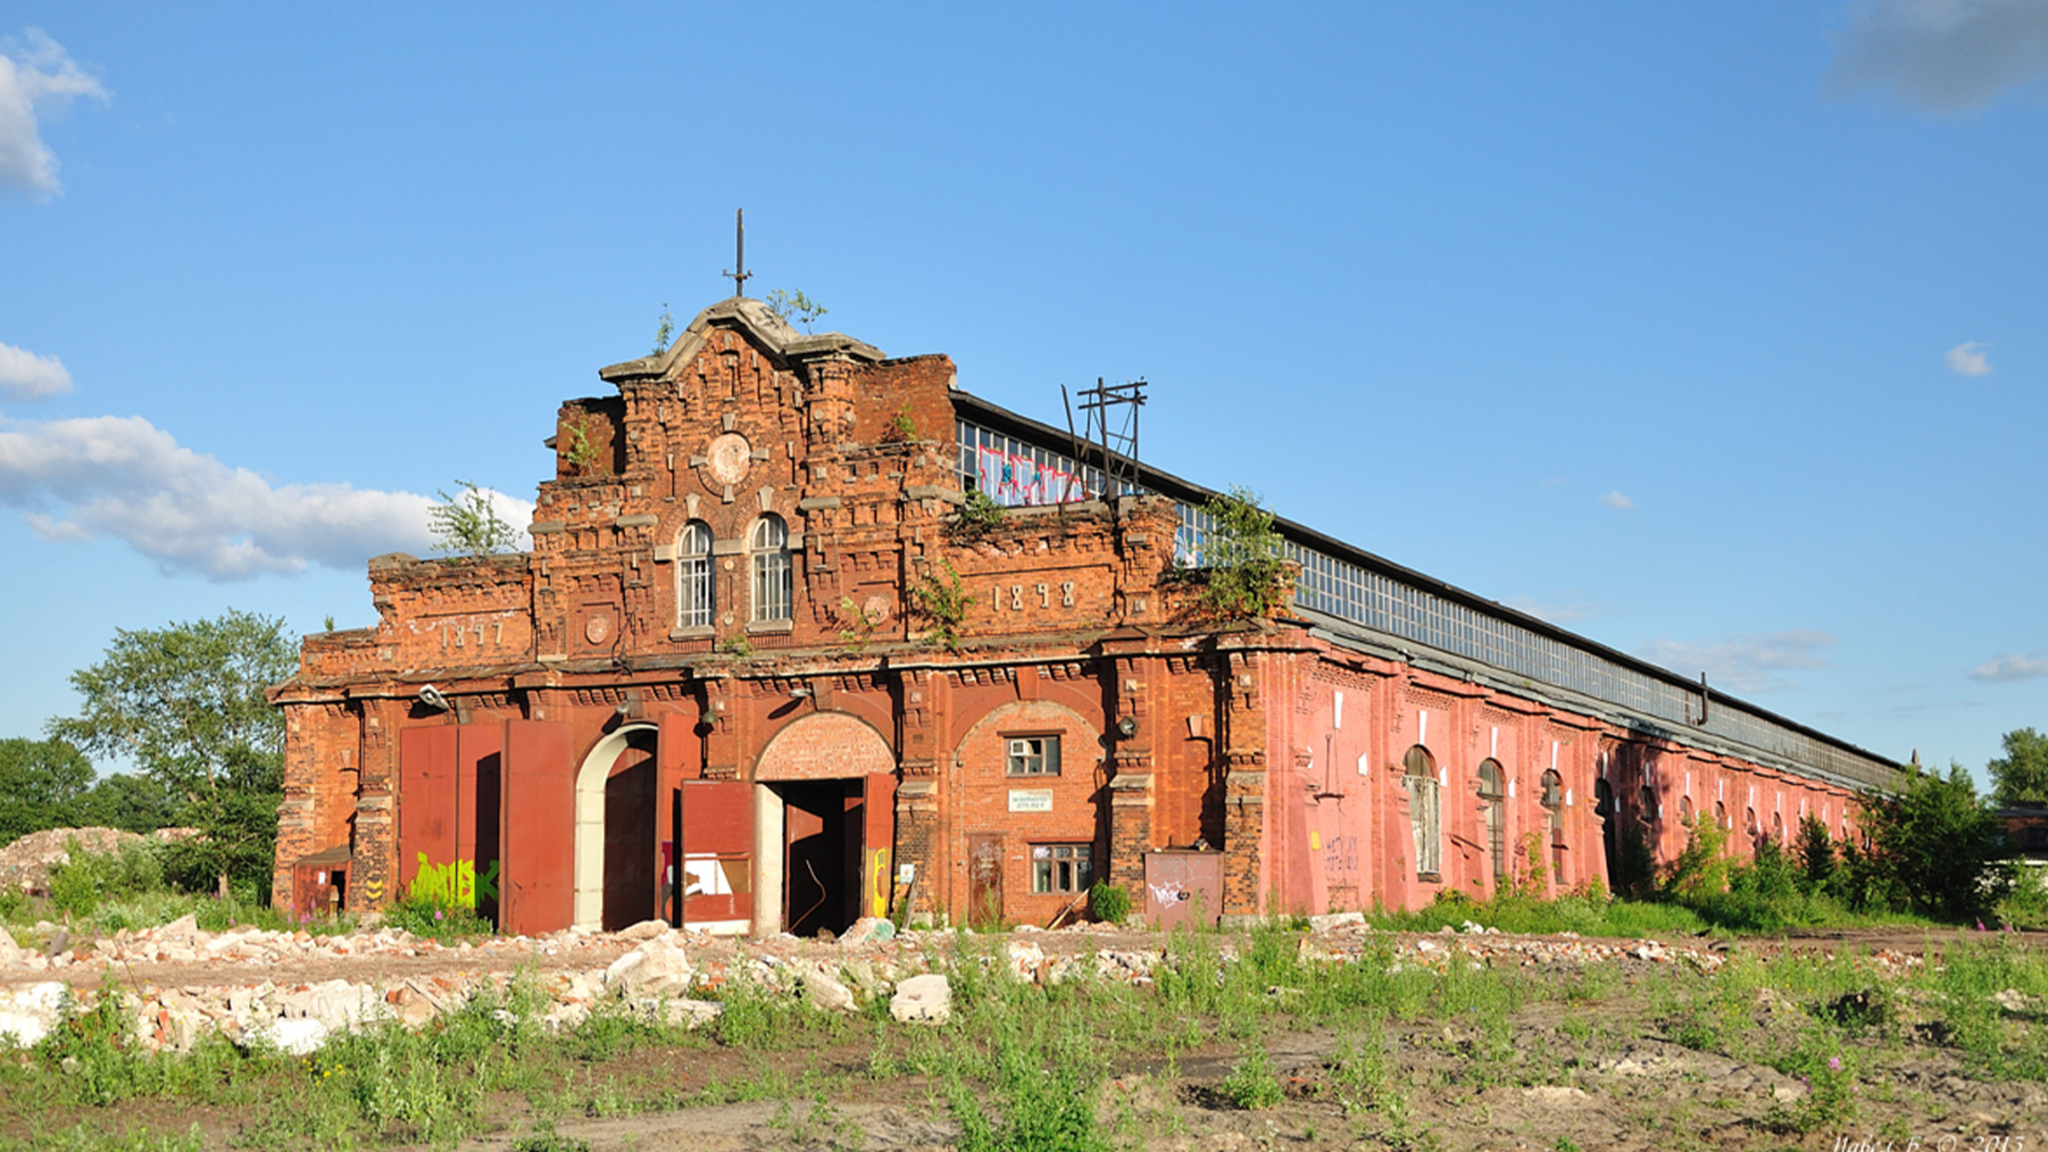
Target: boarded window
1492,801
1424,812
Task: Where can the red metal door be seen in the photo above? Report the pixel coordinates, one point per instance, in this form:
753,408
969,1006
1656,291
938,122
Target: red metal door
426,802
877,842
679,752
537,835
479,751
717,858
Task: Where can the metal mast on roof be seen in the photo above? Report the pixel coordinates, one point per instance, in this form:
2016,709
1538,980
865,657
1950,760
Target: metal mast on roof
739,260
1115,450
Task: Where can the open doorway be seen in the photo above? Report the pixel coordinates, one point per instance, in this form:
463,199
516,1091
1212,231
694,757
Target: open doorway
822,836
629,830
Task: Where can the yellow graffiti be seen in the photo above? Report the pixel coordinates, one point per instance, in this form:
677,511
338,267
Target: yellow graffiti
455,884
878,894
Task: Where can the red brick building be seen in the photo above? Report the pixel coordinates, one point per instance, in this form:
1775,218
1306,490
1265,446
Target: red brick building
757,673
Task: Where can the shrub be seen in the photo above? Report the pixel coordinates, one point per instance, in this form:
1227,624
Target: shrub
1251,1084
1109,903
89,879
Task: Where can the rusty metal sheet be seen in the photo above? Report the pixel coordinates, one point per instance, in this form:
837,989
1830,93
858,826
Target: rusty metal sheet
717,866
1183,888
537,832
426,800
877,842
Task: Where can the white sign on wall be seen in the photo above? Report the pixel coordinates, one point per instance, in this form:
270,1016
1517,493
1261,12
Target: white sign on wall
1030,799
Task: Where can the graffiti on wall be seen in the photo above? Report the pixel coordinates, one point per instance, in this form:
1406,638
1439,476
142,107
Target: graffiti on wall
455,884
1013,479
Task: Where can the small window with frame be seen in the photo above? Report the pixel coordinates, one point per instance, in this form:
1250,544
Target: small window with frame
1062,868
1033,756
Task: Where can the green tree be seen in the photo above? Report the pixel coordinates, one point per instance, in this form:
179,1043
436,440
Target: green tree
787,304
2020,777
128,801
41,785
186,704
1243,555
1937,848
468,524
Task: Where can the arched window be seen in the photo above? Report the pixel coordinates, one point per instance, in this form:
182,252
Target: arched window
1492,801
1553,803
1749,826
1721,815
1778,829
1685,811
1652,810
1420,780
694,598
770,547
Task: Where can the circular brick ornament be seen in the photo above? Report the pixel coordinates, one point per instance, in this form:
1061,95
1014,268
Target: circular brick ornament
597,628
729,458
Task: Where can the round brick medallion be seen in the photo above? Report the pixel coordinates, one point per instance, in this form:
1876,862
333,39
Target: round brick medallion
729,458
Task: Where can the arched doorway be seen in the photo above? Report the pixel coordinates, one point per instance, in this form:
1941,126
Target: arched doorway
825,798
616,883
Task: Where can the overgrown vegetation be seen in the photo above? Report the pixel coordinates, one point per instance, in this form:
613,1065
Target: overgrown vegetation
1242,557
943,600
1405,1048
468,524
977,516
795,304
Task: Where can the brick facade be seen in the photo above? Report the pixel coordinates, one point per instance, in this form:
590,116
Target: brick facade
865,730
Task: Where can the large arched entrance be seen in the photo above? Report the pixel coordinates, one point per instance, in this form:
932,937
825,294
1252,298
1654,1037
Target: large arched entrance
826,823
616,873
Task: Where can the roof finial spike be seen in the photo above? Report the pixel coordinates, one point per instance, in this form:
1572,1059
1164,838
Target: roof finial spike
741,275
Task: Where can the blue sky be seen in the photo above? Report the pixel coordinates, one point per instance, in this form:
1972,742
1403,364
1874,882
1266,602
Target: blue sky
1713,332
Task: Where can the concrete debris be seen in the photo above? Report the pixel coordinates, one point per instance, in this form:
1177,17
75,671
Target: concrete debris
926,999
675,976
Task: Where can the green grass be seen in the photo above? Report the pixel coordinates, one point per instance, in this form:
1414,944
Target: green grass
1024,1066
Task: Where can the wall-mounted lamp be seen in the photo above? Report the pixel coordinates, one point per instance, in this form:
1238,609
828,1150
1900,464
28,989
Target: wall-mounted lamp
1127,727
432,698
799,692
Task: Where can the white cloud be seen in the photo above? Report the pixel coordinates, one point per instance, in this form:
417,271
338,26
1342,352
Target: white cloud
25,375
1969,358
1743,663
2010,666
1942,55
125,478
1618,502
35,75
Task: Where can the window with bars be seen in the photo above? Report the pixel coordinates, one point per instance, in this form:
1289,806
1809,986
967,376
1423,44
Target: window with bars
1062,867
770,547
694,597
1034,756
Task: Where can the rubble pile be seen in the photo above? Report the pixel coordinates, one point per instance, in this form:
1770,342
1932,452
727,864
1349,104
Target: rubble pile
25,864
280,988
